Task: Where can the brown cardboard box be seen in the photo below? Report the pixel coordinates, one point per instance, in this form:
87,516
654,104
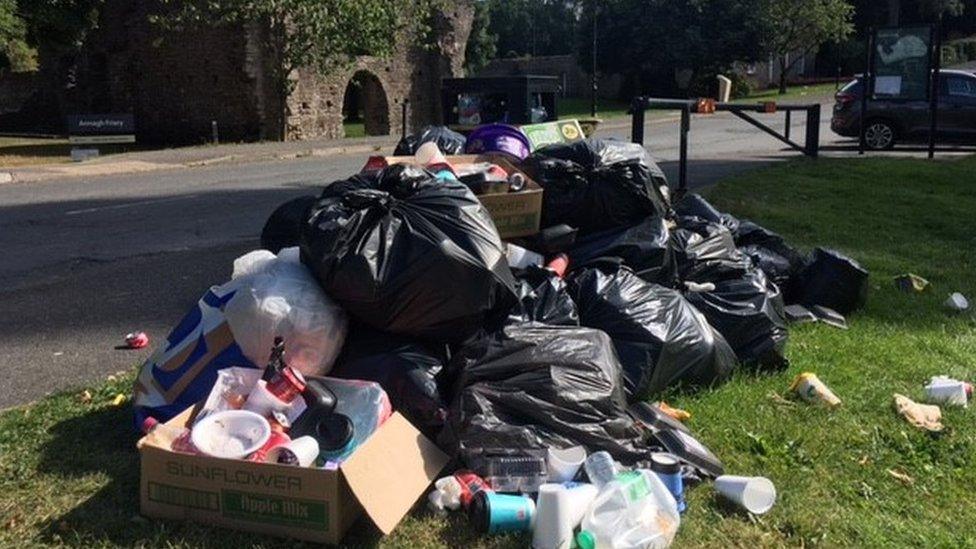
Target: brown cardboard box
514,214
304,503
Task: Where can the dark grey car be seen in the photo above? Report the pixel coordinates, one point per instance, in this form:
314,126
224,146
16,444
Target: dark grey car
893,120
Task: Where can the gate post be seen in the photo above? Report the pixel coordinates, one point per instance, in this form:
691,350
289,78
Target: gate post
812,143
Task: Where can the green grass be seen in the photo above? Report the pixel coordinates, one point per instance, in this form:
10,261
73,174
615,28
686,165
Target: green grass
354,129
579,107
30,151
69,471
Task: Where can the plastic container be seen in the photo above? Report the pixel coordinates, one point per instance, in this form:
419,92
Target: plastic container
300,452
493,513
500,138
668,469
553,527
635,510
516,474
600,468
231,434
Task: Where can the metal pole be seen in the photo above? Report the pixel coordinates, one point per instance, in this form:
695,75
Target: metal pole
865,90
403,117
683,158
789,123
593,73
215,134
812,142
637,121
934,85
837,79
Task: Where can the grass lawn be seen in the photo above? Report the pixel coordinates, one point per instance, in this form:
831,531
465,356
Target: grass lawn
31,151
354,129
793,94
579,107
69,470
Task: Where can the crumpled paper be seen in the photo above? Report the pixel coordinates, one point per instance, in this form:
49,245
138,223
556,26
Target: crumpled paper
923,416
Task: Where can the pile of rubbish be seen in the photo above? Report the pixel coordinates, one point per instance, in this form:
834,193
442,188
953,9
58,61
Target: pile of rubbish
530,360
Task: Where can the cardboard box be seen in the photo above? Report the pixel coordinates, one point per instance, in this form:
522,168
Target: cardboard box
549,133
383,478
514,214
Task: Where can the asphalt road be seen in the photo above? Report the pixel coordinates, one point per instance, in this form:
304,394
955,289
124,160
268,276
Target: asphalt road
86,260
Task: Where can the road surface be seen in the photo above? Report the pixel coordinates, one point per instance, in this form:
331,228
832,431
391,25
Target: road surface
87,260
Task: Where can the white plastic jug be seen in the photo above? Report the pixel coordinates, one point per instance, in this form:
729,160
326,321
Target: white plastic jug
633,511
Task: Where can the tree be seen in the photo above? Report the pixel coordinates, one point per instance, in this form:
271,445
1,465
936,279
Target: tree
533,27
15,53
652,43
482,44
794,28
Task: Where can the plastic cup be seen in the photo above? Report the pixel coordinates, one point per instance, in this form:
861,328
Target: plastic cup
493,513
957,302
565,463
554,518
231,434
580,498
302,452
754,494
947,392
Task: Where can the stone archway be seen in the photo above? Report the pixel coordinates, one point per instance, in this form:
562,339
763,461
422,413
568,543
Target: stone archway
364,101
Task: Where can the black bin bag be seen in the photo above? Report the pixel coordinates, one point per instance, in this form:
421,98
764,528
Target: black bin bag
705,251
408,370
694,205
408,254
748,312
532,386
661,339
284,224
543,297
447,140
833,280
597,184
644,247
770,252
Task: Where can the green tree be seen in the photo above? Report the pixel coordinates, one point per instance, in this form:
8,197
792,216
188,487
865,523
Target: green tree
794,28
482,44
533,27
667,47
15,53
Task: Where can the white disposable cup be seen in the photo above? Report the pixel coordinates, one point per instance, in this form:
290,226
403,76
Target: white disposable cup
261,401
754,494
553,527
947,392
580,498
305,448
957,302
565,463
231,434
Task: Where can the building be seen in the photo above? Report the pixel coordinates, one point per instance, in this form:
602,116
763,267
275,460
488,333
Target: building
181,86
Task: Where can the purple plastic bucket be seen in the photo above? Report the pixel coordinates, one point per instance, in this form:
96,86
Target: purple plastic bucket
498,138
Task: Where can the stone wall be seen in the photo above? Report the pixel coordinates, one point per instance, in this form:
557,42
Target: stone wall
15,89
411,73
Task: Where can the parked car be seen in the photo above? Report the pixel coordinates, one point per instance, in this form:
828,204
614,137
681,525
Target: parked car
888,121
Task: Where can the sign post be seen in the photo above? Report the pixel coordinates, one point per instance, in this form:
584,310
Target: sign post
99,129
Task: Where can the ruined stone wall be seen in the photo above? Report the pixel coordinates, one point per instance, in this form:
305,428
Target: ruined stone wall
414,73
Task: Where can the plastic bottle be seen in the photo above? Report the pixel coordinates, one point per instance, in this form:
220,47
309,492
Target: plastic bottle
166,436
635,510
600,468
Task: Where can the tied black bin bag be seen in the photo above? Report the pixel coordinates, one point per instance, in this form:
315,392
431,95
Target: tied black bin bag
705,251
543,297
283,226
644,247
748,312
693,205
597,184
833,280
770,252
408,370
531,386
661,339
447,140
408,254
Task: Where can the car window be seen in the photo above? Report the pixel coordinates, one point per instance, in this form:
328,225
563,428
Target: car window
960,86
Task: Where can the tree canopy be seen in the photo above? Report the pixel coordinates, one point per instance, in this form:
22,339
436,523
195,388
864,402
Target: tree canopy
795,28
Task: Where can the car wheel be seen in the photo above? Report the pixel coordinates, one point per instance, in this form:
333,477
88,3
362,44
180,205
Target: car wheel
879,135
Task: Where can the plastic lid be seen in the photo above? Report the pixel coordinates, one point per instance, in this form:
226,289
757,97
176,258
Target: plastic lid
334,432
586,540
663,462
